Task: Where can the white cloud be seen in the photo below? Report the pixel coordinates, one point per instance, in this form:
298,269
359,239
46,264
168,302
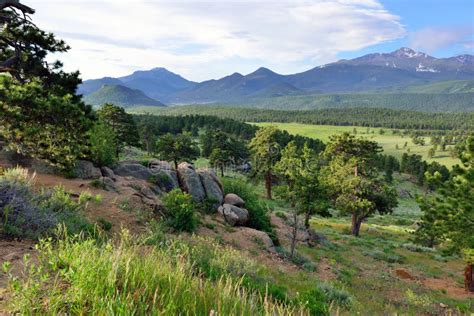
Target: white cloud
203,40
434,38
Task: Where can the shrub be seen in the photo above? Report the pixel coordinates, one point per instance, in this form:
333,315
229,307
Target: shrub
181,214
208,206
26,214
384,256
281,215
297,259
98,184
336,296
417,248
102,140
258,210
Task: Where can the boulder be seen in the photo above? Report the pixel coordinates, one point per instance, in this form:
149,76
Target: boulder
160,165
234,199
108,184
164,175
86,170
133,169
107,172
234,215
190,181
212,185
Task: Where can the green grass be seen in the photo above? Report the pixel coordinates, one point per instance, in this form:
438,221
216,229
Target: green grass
388,141
81,276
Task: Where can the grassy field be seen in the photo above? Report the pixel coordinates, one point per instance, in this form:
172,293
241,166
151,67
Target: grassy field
388,140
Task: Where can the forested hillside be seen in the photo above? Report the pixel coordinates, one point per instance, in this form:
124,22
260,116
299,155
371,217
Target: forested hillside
358,117
425,102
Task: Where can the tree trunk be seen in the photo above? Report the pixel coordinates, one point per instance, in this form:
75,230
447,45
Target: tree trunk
268,184
176,165
222,171
294,233
469,278
356,223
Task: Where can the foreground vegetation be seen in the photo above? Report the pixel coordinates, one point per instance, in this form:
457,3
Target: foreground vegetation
83,276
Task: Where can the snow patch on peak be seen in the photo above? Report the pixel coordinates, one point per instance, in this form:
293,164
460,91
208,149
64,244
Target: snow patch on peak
422,68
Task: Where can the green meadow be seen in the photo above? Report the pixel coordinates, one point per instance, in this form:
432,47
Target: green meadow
387,140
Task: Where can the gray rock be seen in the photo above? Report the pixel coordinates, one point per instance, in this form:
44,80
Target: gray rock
86,170
107,172
147,192
134,170
234,215
108,184
160,165
165,175
234,199
190,181
212,185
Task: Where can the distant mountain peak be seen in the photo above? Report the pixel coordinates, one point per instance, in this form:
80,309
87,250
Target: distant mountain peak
406,52
465,59
262,71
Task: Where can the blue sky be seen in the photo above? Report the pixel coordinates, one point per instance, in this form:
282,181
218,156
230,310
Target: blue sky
204,40
453,16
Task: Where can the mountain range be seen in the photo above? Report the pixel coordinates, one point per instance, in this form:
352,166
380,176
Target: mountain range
401,70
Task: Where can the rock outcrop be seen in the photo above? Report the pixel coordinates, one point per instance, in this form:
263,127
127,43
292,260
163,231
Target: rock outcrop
190,181
86,170
234,215
212,185
133,169
234,199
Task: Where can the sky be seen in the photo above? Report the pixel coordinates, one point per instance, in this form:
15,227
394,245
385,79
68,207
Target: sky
203,40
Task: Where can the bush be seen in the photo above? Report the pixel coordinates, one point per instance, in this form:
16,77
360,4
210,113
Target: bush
297,259
384,256
417,248
258,210
181,214
102,140
25,214
336,296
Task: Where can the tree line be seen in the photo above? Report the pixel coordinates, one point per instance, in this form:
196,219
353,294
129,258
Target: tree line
367,117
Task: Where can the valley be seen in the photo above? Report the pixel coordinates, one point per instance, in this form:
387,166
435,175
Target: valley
302,160
384,137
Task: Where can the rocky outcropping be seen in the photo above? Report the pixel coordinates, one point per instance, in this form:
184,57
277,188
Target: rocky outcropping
234,215
190,181
212,185
86,170
132,169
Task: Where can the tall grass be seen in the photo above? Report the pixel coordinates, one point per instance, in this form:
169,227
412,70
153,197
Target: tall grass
81,276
